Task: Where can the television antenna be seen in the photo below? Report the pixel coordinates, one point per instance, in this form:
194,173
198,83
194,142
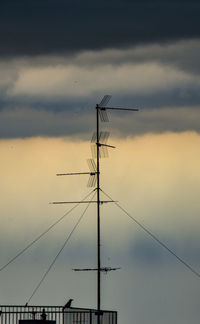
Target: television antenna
99,148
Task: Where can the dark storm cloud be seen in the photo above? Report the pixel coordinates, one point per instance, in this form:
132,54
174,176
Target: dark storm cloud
53,95
177,97
181,55
28,122
56,26
21,123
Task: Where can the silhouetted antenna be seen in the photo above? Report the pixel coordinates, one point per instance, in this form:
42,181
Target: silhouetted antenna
99,149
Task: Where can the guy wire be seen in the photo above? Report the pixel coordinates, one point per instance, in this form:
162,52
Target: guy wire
57,255
43,233
153,236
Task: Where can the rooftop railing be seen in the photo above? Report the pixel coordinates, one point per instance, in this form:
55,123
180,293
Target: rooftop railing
12,314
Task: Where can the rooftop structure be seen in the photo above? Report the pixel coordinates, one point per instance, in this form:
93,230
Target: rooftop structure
16,314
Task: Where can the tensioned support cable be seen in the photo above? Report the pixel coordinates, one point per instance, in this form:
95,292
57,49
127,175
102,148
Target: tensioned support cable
43,233
153,236
57,255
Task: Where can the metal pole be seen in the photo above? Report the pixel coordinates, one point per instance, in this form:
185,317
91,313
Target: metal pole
98,225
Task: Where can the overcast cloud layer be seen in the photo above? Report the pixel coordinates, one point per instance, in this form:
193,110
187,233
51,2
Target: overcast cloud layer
59,58
56,95
57,26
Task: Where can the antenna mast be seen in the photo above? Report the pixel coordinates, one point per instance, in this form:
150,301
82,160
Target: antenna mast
98,224
100,140
101,111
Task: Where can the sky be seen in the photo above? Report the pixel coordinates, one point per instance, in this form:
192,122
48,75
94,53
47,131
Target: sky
57,61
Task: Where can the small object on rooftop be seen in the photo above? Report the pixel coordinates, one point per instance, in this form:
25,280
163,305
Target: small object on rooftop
68,304
43,315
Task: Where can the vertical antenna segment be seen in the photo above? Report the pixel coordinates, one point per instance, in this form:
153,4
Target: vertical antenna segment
98,224
103,102
103,136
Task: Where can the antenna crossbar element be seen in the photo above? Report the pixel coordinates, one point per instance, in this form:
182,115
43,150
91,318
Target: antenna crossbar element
92,180
81,202
104,101
92,165
103,138
100,144
103,115
102,111
113,108
72,173
104,269
92,174
103,151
